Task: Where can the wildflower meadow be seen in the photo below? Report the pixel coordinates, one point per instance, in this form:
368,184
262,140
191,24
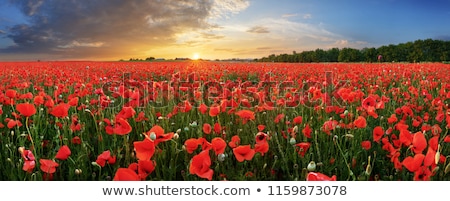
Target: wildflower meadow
235,121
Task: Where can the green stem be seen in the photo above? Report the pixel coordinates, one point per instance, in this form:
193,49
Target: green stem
346,162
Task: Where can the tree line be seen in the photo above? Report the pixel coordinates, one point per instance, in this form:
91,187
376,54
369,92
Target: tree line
428,50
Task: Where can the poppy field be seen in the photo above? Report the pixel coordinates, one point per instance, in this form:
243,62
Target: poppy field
236,121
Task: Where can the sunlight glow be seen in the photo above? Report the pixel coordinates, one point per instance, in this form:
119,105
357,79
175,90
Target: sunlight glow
196,56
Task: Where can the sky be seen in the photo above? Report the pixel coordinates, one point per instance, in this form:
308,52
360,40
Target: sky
110,30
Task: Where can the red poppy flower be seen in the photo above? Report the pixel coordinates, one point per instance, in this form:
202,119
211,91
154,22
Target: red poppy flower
302,148
29,160
217,128
63,153
246,115
125,174
26,109
75,125
76,140
61,110
218,145
298,120
429,159
141,117
203,108
366,145
419,143
191,145
377,134
262,148
317,176
278,118
161,136
121,127
329,126
392,119
73,101
126,113
214,111
145,168
360,122
369,102
48,166
236,140
104,158
243,152
205,144
307,131
200,165
186,106
413,164
406,137
11,93
144,149
38,100
261,138
261,127
207,128
13,123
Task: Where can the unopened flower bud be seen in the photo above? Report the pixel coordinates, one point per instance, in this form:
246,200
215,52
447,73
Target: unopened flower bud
292,141
176,136
311,166
221,157
21,150
78,171
178,131
437,156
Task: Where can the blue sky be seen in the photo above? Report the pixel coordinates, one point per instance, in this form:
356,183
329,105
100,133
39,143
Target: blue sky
212,29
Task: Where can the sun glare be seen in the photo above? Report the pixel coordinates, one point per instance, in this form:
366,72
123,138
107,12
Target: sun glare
196,56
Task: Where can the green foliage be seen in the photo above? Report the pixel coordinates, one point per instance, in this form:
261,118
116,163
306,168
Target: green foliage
428,50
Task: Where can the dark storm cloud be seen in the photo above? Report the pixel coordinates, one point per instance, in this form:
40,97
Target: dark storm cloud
112,26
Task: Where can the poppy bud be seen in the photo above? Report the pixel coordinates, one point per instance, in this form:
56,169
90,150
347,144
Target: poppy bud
21,149
349,135
178,131
176,136
186,128
311,166
295,129
221,157
368,169
12,133
292,141
78,171
437,156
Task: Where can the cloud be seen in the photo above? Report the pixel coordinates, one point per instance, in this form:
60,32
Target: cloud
289,15
307,16
258,29
226,8
111,27
263,48
209,36
2,32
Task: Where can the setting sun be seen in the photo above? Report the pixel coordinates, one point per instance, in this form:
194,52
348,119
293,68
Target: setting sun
196,56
